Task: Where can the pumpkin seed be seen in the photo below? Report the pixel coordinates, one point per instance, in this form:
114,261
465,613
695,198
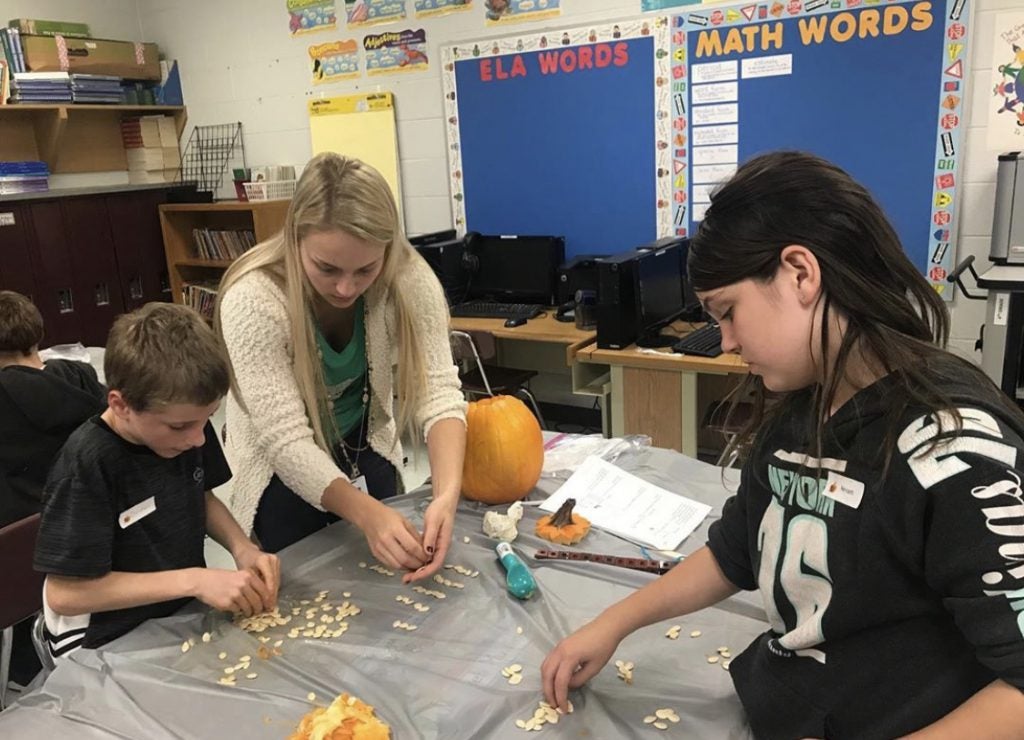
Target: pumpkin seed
661,725
713,658
222,656
695,633
251,675
311,696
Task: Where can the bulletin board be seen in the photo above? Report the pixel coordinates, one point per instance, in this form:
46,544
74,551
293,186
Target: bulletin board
557,134
619,157
360,126
876,88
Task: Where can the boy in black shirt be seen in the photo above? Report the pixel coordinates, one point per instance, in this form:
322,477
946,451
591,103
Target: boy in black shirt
40,405
129,497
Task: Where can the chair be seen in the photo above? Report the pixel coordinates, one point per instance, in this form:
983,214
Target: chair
479,379
728,422
21,592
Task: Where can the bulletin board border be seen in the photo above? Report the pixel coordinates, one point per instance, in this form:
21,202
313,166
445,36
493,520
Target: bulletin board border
622,30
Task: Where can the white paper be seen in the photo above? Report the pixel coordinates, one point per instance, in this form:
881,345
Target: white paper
697,211
723,154
718,92
773,66
1002,132
702,193
717,113
712,173
626,505
714,72
726,133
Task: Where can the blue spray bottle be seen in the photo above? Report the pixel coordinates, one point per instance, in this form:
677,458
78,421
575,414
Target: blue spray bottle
518,579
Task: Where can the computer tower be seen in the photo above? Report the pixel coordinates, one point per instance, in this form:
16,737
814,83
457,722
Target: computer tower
446,260
618,300
579,273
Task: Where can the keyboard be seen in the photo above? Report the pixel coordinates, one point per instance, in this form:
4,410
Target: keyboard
705,342
492,310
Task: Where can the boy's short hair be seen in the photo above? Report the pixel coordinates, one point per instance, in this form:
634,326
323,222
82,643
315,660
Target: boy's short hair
165,353
21,324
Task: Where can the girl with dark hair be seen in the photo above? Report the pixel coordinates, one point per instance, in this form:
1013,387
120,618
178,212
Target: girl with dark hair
880,510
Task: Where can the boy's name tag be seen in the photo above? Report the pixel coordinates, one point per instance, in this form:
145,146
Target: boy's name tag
360,483
844,490
140,511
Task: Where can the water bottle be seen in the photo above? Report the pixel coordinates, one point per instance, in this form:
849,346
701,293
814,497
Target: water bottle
518,579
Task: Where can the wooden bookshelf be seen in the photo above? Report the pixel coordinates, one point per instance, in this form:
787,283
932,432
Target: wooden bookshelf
73,138
177,220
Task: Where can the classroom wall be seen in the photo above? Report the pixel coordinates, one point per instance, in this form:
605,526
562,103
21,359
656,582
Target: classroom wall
239,63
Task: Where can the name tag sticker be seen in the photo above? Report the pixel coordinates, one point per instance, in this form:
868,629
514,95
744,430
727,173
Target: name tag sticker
844,490
140,511
360,483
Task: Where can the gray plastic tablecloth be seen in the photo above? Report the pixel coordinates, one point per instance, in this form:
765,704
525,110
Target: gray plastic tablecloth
442,680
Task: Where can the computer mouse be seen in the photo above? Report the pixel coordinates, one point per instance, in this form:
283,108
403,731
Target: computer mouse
515,321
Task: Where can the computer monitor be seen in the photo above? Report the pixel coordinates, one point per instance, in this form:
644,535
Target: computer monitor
515,268
446,260
660,285
692,310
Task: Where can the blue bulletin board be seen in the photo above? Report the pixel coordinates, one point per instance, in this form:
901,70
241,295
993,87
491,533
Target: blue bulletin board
617,156
559,134
876,88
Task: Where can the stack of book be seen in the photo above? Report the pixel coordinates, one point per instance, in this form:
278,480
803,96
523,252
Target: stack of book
151,143
200,296
95,88
10,46
213,244
24,177
41,87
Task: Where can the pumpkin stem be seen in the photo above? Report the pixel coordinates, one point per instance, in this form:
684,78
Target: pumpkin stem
563,517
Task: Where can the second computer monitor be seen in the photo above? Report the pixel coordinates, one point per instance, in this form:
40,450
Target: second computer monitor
660,285
516,268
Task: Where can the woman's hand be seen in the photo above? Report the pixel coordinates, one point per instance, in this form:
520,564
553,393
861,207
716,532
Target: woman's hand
392,539
438,522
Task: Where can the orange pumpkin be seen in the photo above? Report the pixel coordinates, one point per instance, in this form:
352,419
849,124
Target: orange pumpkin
504,450
346,718
563,527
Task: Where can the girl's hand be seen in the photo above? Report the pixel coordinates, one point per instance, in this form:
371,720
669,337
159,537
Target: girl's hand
438,522
392,539
575,660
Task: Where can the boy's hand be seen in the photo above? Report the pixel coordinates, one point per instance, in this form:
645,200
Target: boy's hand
239,591
266,566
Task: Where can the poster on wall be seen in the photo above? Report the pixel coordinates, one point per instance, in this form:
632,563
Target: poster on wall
427,8
396,51
577,117
748,78
649,5
1006,100
371,12
334,61
309,16
519,11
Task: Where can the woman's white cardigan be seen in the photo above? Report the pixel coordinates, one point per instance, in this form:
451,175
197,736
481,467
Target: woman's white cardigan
272,433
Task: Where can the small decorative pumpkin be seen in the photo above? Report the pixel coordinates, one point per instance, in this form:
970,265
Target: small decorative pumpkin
504,450
563,527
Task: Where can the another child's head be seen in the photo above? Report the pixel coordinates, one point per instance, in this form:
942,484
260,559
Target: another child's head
166,373
21,326
807,275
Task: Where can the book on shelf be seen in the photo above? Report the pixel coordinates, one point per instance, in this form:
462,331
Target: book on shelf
222,244
36,27
202,297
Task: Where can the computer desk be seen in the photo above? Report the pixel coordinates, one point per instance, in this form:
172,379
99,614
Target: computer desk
561,336
653,392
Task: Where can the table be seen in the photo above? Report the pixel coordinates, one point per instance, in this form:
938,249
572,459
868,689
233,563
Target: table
543,330
442,680
654,392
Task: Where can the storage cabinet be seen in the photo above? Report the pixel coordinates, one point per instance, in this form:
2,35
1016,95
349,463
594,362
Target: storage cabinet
85,259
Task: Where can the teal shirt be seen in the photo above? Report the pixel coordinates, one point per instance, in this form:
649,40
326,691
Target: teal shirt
345,375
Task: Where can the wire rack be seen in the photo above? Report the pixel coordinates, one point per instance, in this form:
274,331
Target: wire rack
208,152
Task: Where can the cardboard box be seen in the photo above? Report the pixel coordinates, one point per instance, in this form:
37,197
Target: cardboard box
127,59
50,28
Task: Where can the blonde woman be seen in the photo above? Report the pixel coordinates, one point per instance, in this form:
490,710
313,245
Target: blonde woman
337,333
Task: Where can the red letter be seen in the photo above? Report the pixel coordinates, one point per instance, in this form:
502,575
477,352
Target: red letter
500,73
485,70
586,57
621,54
567,59
602,55
518,68
548,62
